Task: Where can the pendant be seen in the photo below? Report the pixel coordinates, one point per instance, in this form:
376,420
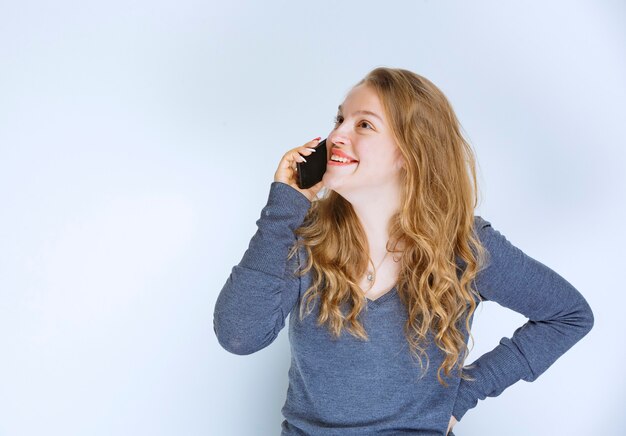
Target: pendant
370,277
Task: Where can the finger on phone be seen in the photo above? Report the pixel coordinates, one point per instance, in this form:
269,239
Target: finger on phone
315,142
305,151
296,156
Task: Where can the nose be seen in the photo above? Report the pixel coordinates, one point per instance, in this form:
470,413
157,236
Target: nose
338,138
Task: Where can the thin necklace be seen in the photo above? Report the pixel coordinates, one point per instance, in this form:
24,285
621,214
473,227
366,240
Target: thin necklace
371,275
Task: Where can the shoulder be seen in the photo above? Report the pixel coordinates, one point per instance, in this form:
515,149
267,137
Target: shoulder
480,222
492,240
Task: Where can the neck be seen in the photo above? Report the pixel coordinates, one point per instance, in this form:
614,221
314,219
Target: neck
374,209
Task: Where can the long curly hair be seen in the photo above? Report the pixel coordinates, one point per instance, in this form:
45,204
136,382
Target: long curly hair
434,225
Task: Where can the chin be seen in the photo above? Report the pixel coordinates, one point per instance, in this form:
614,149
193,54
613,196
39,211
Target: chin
332,182
336,177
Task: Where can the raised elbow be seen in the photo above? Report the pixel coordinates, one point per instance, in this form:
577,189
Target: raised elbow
233,343
241,341
236,346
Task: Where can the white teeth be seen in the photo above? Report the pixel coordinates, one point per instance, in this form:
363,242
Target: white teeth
339,159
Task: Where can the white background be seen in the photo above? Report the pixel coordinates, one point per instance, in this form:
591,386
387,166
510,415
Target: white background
138,141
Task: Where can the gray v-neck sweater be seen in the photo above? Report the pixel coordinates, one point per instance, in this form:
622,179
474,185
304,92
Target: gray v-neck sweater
348,386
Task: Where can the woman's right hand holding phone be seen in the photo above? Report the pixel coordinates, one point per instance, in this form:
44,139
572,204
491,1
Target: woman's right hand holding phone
286,172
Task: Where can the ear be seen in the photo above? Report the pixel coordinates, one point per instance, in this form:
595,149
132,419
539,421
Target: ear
400,163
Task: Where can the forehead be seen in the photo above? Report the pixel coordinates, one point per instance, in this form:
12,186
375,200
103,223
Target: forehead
362,98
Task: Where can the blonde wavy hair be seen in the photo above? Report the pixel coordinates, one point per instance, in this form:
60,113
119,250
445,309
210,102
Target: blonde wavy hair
434,224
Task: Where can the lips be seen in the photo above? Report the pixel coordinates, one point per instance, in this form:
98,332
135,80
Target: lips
344,159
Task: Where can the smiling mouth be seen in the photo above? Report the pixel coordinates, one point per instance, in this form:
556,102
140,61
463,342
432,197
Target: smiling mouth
340,159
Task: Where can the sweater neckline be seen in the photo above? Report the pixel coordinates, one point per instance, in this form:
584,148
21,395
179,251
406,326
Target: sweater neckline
380,300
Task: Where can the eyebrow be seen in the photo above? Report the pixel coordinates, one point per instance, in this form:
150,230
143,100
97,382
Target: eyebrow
364,112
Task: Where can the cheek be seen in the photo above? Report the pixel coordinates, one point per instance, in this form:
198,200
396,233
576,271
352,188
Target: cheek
378,158
389,161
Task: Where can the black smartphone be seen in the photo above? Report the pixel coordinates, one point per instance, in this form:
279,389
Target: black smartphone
311,171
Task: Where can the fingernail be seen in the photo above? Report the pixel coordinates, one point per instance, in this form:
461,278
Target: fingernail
303,159
317,139
310,149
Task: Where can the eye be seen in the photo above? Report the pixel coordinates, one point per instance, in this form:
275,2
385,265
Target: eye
339,119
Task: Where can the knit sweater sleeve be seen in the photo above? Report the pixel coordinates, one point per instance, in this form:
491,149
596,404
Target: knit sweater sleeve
261,290
559,316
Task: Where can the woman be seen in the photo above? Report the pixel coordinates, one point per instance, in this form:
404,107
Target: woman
383,272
